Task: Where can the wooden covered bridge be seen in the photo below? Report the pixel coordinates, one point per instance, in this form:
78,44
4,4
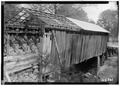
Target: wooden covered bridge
32,37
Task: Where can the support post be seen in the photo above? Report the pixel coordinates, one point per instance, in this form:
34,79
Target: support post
8,38
40,74
107,55
7,76
98,64
40,59
103,58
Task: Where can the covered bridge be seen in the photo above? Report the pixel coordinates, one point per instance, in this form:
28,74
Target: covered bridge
56,38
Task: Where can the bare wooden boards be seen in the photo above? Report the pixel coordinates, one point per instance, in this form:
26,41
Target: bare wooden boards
75,48
19,62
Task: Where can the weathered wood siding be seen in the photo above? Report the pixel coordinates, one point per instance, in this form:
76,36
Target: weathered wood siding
75,47
46,44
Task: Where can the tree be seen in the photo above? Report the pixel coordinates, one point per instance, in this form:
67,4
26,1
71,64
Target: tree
91,21
108,19
68,10
49,8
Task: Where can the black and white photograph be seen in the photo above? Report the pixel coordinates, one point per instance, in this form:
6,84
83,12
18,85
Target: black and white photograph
60,42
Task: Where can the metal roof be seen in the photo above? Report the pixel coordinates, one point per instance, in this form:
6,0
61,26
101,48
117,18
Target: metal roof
52,21
88,26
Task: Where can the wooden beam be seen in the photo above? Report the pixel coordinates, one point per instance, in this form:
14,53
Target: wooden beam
52,72
98,64
8,38
19,69
7,76
40,73
15,14
40,61
13,65
103,59
20,57
19,17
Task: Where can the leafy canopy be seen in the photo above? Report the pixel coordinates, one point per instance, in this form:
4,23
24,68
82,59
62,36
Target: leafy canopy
108,19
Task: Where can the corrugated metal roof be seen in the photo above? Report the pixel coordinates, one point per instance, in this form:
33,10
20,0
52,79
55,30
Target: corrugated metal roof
88,26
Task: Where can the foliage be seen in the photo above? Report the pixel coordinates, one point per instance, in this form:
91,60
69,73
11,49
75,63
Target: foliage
91,21
68,10
108,19
49,8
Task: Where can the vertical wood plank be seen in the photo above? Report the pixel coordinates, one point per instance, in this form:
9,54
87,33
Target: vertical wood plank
68,50
83,48
73,49
64,41
57,48
59,43
86,47
79,47
89,46
52,57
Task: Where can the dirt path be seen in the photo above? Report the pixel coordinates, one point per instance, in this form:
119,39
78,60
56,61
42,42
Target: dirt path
109,71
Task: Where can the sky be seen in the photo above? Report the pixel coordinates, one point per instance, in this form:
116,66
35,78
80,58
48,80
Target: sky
94,11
